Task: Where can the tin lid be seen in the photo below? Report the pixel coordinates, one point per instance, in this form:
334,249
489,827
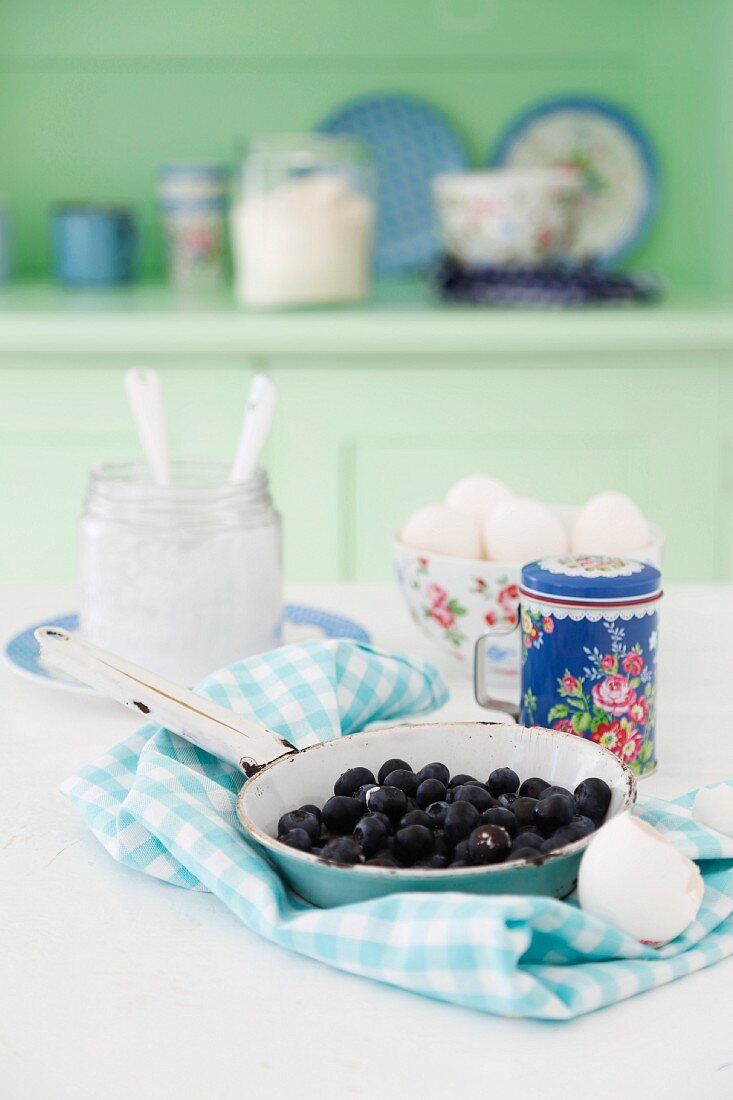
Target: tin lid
591,578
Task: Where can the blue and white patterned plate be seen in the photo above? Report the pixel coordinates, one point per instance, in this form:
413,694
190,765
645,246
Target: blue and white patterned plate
615,156
300,622
411,143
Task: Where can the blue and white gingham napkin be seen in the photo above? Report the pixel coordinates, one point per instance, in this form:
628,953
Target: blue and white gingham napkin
166,808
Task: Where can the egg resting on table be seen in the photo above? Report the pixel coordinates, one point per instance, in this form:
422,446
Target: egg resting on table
631,876
443,530
520,530
713,807
610,523
478,495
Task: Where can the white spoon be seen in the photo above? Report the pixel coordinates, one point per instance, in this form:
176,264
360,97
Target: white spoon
258,413
145,394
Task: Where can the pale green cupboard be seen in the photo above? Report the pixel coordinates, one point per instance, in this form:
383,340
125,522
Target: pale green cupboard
381,409
383,406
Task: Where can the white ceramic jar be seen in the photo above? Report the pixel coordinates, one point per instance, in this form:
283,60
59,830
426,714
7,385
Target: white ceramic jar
185,578
302,225
509,217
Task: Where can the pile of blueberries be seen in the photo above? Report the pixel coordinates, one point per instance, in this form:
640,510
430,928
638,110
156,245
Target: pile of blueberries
428,819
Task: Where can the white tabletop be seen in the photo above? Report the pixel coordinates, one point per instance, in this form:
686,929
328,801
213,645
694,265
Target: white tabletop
113,985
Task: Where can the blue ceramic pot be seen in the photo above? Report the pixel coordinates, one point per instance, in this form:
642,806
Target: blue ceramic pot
589,635
93,245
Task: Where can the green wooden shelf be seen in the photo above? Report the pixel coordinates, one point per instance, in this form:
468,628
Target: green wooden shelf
402,319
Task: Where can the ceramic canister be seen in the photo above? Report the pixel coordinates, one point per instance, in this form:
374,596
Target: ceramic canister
193,198
93,244
589,651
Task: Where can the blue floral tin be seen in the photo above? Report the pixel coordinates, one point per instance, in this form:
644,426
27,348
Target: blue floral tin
589,630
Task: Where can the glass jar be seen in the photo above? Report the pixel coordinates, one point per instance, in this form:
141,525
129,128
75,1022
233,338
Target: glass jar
182,579
303,221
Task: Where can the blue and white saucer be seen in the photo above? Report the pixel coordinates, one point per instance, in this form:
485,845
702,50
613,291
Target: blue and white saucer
301,623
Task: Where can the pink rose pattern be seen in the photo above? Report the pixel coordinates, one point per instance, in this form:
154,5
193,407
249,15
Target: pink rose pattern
614,695
611,704
447,610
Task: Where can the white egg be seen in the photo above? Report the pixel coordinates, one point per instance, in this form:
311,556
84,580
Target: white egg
631,876
478,495
713,807
610,523
520,530
443,530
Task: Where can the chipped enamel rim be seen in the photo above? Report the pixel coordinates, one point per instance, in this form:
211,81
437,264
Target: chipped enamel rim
422,874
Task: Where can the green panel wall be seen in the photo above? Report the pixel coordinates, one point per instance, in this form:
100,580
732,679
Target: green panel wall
355,449
94,95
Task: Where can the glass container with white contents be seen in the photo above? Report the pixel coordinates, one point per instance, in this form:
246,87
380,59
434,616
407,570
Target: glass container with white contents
182,578
303,221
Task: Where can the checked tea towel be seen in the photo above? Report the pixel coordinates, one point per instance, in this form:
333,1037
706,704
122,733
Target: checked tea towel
162,806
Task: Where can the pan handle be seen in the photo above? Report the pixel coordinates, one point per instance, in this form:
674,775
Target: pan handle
240,740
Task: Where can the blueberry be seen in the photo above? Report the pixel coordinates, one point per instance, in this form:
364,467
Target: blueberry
411,804
443,846
488,844
460,819
297,838
309,808
382,859
404,780
363,791
413,842
341,813
477,796
503,781
523,810
300,819
432,863
553,812
533,788
461,850
415,817
497,815
380,817
391,766
569,833
557,840
528,838
430,790
459,863
342,850
388,800
584,826
524,853
350,781
554,789
592,798
371,834
459,780
436,812
434,771
507,800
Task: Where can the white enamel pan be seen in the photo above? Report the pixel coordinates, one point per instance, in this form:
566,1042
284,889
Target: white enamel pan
280,778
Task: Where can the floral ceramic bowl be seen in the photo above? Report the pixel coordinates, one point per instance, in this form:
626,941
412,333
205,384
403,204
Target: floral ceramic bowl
512,217
454,600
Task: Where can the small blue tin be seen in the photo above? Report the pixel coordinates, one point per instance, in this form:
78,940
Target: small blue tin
93,245
589,626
